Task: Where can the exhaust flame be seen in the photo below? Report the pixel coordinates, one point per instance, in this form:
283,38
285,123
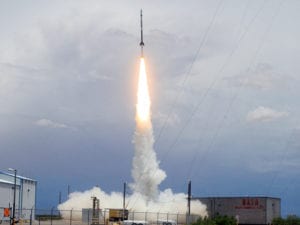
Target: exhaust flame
143,99
145,172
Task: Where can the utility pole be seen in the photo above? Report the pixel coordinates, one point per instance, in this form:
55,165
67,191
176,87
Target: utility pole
124,196
189,202
69,190
14,200
59,197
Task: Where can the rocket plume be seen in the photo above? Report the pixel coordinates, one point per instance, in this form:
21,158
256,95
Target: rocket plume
145,168
145,171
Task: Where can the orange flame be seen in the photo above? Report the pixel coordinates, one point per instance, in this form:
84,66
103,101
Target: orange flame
143,99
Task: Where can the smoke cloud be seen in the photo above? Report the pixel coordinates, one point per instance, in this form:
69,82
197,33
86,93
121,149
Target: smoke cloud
145,169
166,202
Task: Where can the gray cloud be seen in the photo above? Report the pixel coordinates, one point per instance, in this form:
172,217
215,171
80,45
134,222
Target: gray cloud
50,124
265,114
263,77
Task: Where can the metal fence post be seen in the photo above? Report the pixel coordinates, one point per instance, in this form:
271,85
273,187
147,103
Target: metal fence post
51,215
31,216
88,219
71,216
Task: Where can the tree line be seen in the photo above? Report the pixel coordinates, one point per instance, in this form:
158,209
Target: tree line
290,220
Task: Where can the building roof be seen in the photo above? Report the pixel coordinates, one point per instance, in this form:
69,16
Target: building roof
6,181
18,176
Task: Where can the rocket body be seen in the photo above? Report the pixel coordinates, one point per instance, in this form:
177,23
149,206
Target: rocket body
142,41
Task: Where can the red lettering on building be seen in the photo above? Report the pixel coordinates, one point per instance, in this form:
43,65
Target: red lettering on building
249,203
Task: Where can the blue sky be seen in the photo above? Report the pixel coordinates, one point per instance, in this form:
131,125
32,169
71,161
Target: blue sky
224,87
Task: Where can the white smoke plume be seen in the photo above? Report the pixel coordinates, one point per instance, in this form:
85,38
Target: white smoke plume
166,202
145,168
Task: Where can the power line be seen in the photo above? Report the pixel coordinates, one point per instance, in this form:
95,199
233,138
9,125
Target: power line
219,73
272,19
237,92
185,78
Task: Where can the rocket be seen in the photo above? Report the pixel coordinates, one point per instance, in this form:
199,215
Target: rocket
142,42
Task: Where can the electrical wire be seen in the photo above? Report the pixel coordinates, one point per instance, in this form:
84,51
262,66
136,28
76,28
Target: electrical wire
187,74
218,75
238,90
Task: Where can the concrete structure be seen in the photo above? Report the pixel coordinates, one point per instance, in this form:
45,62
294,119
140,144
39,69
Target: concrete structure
25,195
247,210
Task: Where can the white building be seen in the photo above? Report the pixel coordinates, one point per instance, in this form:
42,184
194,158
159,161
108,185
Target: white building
25,195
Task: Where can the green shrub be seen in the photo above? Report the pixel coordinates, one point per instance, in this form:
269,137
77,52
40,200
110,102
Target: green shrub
219,220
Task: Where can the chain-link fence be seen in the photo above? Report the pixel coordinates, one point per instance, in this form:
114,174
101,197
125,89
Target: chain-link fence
89,217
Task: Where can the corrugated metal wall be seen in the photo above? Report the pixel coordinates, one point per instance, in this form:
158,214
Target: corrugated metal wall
25,194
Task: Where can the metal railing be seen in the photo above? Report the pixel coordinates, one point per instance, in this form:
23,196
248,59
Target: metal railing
85,217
